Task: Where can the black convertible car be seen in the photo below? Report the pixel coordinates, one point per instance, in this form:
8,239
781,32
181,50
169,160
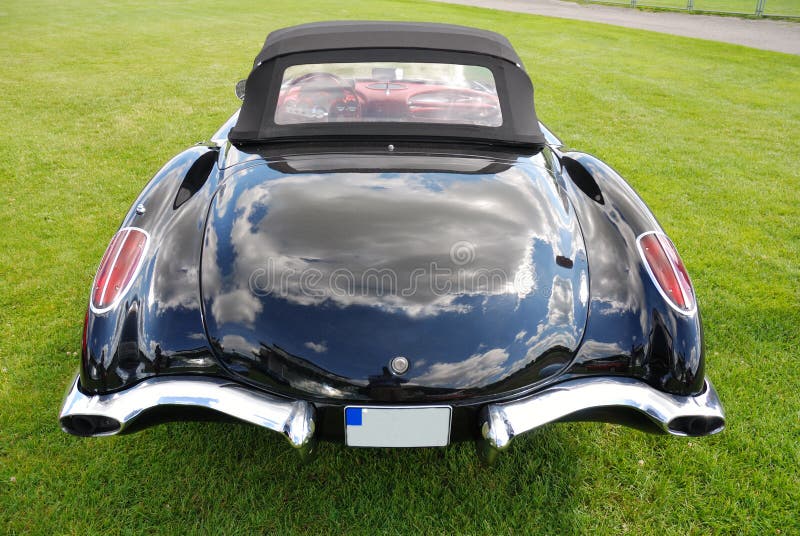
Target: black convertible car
385,247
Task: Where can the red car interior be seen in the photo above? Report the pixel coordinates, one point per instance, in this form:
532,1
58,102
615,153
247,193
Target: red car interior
325,97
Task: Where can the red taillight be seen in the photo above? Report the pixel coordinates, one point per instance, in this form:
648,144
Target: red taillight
667,270
120,263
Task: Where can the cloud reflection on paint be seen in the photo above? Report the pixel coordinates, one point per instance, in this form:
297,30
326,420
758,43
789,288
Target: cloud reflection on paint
317,265
348,231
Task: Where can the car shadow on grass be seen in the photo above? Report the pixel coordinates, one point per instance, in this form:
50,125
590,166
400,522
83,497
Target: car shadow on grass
216,473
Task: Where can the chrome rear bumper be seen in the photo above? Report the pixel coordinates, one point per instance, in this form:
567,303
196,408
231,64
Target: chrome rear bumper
608,399
110,414
602,399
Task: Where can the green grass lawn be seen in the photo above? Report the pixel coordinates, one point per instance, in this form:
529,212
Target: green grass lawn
97,96
789,8
772,7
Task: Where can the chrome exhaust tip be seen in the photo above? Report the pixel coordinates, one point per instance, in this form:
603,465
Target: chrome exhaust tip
695,425
89,425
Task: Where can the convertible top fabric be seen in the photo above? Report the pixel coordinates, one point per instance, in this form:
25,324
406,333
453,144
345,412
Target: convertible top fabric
349,42
346,35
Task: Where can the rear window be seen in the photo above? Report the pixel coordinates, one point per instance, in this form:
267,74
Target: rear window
394,92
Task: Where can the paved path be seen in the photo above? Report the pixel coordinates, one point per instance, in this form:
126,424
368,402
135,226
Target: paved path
779,36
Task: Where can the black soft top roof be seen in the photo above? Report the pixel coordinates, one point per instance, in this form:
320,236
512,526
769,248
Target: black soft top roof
345,35
347,42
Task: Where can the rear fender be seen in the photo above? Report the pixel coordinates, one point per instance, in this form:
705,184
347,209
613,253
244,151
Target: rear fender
157,326
631,329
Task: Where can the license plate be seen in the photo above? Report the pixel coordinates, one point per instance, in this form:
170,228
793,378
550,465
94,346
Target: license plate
370,426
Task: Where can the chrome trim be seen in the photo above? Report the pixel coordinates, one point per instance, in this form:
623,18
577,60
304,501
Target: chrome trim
551,139
295,419
500,423
672,304
220,137
399,365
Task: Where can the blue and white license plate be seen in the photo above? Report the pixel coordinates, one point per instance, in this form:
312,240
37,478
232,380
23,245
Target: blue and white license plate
370,426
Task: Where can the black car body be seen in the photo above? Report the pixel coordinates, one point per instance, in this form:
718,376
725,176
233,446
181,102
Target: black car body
390,259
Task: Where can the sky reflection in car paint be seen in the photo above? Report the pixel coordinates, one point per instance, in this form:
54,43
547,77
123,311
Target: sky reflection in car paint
619,336
469,336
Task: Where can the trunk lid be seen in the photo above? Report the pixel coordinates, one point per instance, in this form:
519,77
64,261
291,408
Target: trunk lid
317,272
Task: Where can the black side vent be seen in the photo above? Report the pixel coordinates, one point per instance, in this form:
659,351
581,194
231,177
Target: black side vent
582,179
195,178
